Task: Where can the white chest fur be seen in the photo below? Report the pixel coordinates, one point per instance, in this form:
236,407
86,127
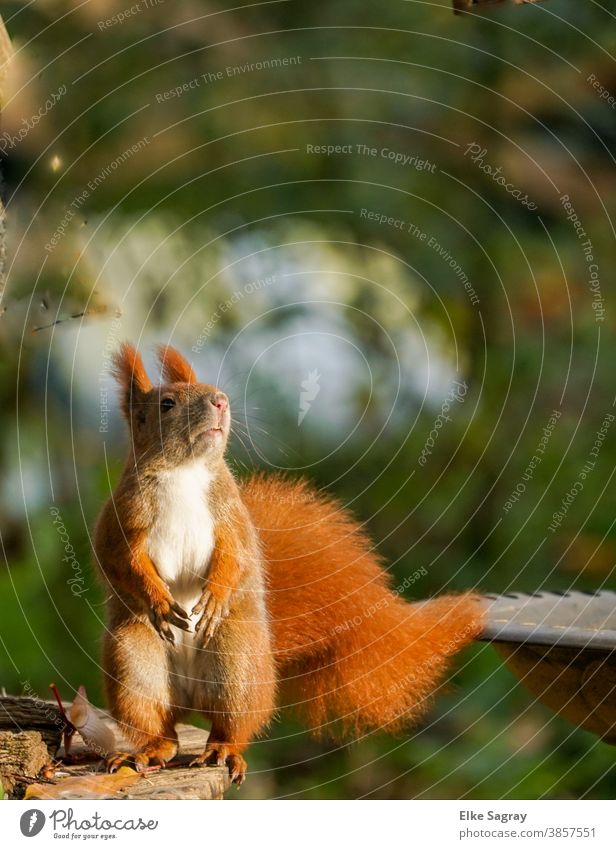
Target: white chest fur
182,537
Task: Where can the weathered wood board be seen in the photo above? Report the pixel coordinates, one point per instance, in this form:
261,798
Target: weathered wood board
562,647
178,781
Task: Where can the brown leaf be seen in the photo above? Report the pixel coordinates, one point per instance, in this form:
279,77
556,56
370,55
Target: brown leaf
85,786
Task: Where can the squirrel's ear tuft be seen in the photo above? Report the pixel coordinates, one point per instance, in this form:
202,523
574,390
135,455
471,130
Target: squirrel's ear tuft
174,367
129,371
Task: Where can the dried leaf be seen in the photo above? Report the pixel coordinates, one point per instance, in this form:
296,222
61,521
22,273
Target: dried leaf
86,786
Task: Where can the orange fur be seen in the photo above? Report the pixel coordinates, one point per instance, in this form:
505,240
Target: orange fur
132,661
225,568
130,569
223,579
174,367
293,605
160,659
130,373
351,654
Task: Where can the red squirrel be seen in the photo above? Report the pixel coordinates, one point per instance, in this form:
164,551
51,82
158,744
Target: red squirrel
238,599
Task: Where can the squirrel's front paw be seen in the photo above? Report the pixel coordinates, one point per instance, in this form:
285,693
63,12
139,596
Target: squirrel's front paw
169,613
213,610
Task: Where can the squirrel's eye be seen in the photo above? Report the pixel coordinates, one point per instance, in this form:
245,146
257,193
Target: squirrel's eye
166,404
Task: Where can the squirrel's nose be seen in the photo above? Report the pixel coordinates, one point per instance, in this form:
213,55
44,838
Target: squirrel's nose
220,401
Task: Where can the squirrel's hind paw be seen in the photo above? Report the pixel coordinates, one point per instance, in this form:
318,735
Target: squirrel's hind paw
114,763
220,755
140,761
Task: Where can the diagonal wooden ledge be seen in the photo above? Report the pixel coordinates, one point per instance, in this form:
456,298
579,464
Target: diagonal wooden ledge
461,6
562,647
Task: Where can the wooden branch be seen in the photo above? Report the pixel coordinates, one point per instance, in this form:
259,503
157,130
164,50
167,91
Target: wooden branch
562,646
461,6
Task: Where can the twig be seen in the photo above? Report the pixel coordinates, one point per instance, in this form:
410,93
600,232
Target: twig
27,779
69,728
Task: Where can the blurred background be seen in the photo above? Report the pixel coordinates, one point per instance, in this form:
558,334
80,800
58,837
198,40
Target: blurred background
385,231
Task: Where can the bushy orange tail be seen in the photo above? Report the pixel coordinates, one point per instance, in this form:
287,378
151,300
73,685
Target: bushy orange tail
352,655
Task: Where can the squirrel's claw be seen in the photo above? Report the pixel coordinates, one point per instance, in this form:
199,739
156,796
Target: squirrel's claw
175,607
213,610
134,761
164,630
139,761
114,763
178,617
173,615
217,754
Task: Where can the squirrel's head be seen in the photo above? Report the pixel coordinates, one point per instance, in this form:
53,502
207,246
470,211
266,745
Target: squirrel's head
178,420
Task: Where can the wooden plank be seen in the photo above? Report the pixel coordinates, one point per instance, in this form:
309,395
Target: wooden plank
572,619
562,647
177,781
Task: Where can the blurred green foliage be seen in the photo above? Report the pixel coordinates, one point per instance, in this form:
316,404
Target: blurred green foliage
224,191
